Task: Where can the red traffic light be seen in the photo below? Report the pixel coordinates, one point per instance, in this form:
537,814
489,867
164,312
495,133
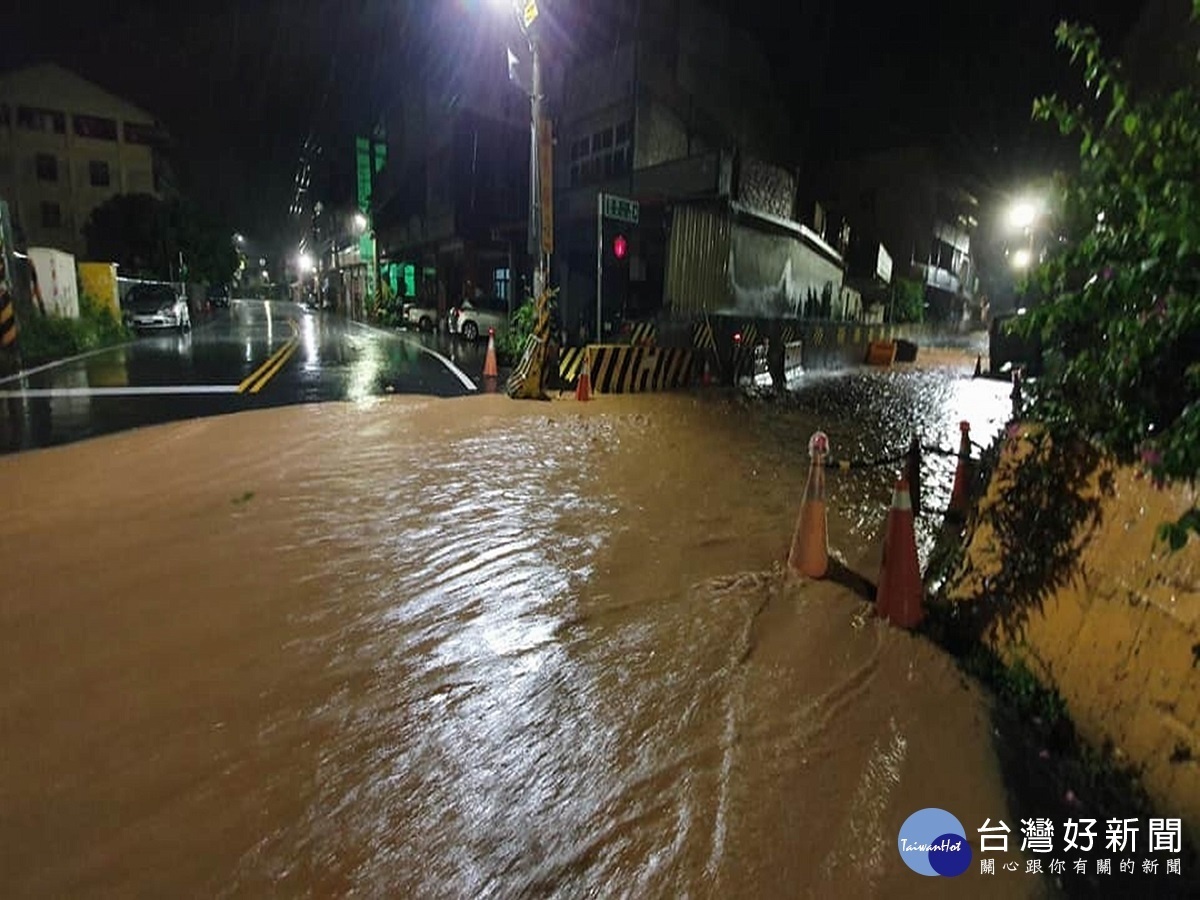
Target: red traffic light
620,246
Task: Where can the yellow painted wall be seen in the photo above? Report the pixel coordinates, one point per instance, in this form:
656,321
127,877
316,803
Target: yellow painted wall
1120,640
99,281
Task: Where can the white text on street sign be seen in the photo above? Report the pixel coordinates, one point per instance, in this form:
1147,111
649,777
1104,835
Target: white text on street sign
621,209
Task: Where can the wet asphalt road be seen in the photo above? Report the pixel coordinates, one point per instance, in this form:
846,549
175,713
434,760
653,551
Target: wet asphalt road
253,354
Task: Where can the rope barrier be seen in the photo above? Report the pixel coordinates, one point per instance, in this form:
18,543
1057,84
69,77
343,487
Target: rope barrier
846,465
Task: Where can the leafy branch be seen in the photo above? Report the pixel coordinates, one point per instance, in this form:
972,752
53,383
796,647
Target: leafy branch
1120,299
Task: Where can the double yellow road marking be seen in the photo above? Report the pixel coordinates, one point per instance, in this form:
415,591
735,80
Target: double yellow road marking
258,379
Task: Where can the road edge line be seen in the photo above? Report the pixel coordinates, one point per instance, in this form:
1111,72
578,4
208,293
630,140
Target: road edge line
454,370
25,373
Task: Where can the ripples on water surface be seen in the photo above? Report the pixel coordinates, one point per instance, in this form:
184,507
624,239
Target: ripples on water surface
547,654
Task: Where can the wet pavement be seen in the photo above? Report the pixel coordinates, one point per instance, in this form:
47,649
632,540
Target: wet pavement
476,647
250,355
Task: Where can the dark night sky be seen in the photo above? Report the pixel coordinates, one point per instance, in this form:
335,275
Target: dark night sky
240,84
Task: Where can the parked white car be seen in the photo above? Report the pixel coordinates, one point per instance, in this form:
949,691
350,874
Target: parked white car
424,318
154,306
475,317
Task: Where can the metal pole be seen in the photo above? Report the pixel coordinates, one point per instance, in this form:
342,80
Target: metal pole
599,257
535,194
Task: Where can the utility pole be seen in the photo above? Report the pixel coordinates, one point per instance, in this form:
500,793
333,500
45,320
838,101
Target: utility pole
535,194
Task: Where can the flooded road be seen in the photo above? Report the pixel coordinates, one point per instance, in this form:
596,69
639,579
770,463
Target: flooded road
474,648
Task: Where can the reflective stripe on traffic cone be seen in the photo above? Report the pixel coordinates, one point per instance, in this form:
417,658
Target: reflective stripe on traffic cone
809,555
490,369
958,497
900,593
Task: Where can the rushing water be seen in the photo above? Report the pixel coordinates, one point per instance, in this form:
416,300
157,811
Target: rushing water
474,648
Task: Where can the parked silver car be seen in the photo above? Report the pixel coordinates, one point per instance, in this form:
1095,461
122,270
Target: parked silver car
154,306
424,318
476,316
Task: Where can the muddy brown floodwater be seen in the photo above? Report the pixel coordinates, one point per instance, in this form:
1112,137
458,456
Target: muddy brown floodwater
456,649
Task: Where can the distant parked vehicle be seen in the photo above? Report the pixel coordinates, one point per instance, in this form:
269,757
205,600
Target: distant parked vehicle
218,295
423,317
476,316
156,306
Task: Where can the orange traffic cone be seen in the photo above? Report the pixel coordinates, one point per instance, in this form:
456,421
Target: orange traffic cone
706,375
900,593
583,390
958,497
490,369
809,555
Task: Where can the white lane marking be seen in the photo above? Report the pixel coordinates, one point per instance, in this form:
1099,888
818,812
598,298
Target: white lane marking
454,370
124,391
25,373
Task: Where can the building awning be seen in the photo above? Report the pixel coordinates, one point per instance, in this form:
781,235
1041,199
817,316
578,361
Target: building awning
806,234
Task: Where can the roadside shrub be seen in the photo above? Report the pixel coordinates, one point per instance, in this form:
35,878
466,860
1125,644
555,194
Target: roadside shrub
48,338
512,343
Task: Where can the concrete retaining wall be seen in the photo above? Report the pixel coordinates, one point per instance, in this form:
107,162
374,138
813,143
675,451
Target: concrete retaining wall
1120,639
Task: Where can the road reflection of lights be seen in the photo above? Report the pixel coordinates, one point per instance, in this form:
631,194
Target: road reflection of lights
270,328
983,402
249,352
308,336
364,375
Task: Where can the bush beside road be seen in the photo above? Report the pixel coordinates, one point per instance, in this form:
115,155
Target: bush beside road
46,338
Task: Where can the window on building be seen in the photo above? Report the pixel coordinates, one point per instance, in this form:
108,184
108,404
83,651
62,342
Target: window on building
34,118
98,173
604,154
51,215
501,283
96,127
138,133
47,167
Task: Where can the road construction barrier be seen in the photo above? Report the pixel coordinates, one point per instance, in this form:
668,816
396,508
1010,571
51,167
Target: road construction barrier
702,336
958,496
881,353
809,555
901,591
570,360
583,389
641,334
490,370
625,369
8,321
525,381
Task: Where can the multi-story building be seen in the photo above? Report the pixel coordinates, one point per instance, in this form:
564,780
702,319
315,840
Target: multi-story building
661,102
452,202
910,203
678,112
67,146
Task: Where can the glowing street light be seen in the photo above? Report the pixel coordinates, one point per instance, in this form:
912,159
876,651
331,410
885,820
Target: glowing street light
1022,258
1022,214
360,223
305,263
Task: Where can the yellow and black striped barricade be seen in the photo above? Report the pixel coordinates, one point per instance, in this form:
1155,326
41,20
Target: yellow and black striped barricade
570,363
642,334
8,321
625,369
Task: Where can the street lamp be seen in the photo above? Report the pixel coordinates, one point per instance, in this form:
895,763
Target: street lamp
527,13
1022,258
360,223
1022,214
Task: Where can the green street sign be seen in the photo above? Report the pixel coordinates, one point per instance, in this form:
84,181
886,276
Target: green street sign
621,209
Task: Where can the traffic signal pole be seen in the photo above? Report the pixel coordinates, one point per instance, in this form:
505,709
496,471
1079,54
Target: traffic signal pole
599,259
